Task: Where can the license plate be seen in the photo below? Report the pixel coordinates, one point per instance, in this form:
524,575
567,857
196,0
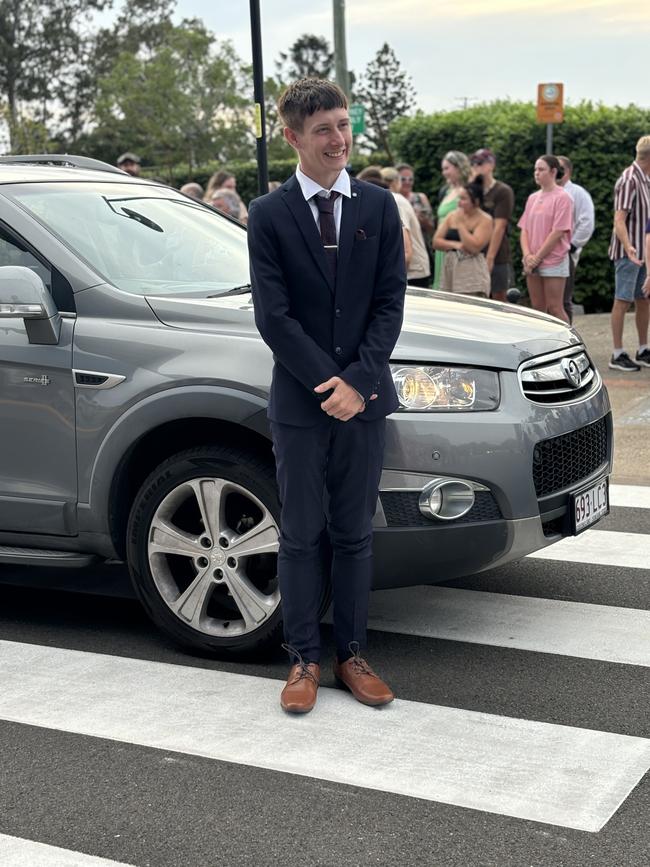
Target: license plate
589,505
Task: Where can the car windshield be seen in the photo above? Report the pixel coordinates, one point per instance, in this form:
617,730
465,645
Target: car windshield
143,239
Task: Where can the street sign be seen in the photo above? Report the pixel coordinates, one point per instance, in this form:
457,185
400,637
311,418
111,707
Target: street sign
550,103
358,118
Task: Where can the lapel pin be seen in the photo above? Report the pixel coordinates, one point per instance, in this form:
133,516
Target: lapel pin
354,195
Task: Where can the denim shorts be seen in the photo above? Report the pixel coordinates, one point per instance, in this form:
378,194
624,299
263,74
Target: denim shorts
561,269
628,280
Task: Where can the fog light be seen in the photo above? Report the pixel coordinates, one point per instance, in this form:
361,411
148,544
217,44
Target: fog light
446,499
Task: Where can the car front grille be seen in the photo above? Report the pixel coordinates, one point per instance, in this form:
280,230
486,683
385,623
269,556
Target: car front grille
564,460
401,509
560,377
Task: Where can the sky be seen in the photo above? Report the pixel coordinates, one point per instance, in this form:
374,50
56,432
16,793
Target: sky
465,51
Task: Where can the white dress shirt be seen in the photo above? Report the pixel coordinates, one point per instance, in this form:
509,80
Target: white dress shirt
310,189
583,214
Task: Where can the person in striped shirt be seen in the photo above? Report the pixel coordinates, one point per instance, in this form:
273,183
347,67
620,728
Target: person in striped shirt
627,250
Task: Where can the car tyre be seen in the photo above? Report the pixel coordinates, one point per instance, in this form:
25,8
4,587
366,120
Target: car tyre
202,542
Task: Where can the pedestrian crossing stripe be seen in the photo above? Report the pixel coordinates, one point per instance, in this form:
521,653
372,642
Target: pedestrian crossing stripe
631,496
16,852
562,775
600,548
600,632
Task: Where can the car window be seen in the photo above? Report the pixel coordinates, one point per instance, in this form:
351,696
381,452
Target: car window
12,252
142,239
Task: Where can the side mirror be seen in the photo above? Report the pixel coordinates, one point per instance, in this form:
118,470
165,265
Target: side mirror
23,296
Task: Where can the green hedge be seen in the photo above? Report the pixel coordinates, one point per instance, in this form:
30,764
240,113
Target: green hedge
599,140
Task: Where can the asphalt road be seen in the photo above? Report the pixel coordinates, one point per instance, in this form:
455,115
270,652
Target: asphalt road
541,706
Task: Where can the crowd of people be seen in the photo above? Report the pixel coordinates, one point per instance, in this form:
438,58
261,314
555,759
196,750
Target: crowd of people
464,244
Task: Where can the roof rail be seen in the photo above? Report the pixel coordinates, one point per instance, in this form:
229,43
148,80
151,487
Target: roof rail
61,160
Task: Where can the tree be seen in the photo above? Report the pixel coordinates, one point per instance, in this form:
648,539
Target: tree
387,92
276,146
185,101
39,39
308,57
141,27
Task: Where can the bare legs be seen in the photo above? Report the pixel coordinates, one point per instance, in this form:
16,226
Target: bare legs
641,314
619,309
547,294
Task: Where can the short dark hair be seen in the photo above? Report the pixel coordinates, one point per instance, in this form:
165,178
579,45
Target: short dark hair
553,163
567,162
370,172
307,96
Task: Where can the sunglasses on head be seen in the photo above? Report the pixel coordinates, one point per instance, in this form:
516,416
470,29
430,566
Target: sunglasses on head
478,162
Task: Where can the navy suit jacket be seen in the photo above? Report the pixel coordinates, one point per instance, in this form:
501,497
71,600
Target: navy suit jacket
318,327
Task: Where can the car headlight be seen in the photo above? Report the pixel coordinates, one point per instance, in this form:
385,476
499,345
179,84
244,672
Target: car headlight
445,389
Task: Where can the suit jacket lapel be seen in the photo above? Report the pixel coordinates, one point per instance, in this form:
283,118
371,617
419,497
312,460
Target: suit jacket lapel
349,224
304,217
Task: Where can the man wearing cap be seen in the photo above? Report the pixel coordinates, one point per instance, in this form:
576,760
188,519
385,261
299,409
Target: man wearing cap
499,202
129,163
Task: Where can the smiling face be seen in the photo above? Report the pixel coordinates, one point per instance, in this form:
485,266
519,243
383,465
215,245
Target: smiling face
544,175
323,145
450,173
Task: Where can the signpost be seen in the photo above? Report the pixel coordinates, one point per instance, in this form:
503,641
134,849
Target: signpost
258,88
358,118
550,108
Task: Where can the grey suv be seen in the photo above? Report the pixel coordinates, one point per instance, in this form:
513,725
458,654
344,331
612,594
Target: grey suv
133,389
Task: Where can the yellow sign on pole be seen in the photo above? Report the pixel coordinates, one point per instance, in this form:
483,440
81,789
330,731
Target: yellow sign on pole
550,103
258,120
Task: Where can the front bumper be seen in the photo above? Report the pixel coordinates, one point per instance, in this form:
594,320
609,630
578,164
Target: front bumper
521,511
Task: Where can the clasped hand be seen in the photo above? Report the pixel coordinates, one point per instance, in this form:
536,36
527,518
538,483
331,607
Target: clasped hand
344,402
530,262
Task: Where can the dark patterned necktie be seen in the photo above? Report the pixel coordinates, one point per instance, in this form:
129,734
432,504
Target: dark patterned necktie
328,227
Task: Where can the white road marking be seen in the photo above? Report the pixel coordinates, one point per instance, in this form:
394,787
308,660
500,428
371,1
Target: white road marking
602,548
562,775
633,496
543,625
16,852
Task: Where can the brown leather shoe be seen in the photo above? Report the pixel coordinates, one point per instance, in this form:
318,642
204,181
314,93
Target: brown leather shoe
299,695
361,680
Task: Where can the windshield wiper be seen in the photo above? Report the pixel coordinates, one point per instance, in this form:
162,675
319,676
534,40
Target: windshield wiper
140,218
236,290
130,214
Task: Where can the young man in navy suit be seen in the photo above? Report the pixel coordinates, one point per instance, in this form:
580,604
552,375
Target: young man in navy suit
328,277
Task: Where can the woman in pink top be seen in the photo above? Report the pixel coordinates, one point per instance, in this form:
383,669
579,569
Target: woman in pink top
546,227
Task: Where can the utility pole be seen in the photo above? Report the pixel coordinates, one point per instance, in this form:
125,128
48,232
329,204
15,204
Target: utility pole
340,56
258,85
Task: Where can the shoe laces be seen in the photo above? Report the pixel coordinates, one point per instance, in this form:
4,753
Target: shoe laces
358,663
303,667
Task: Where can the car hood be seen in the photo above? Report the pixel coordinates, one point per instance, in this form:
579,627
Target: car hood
438,327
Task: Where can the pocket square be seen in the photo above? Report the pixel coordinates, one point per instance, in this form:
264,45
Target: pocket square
360,235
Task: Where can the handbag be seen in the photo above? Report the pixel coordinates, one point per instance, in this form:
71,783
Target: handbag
465,273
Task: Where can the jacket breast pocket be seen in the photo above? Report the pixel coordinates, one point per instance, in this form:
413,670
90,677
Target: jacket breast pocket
364,247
